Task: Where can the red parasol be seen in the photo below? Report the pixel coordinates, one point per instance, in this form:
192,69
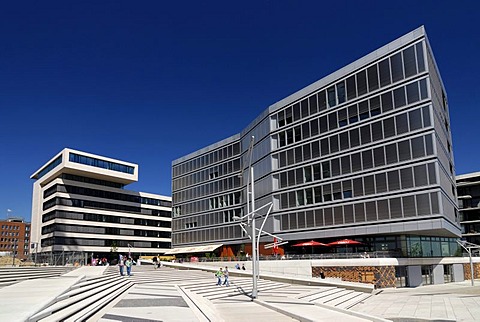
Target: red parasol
344,242
309,243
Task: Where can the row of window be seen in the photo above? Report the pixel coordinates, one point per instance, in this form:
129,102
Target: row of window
415,91
207,235
207,189
207,174
49,167
205,204
406,178
394,208
94,162
72,241
222,201
206,159
379,130
103,194
104,231
392,153
11,227
213,218
98,182
102,205
58,214
6,233
402,65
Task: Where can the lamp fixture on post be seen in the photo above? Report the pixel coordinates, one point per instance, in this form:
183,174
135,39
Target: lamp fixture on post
250,221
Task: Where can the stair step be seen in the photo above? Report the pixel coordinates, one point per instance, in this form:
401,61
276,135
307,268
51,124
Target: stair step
334,296
354,301
73,302
87,287
319,295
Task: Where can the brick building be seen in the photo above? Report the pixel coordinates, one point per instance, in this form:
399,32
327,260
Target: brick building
15,237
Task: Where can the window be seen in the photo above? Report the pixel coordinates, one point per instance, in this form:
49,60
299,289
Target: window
413,94
402,123
333,144
409,61
351,88
420,59
352,114
312,100
387,102
384,68
391,153
365,134
332,121
356,162
375,106
323,124
342,117
314,127
399,97
296,112
354,138
326,169
322,100
367,159
415,119
332,99
362,83
363,110
404,150
381,182
397,67
389,127
335,164
372,78
281,119
341,92
346,166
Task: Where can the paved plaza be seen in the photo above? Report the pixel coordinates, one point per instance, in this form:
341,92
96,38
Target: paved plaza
169,294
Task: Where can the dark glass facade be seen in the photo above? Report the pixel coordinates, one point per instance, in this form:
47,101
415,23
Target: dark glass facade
94,162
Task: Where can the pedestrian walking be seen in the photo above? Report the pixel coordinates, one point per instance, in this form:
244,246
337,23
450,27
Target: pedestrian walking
121,263
243,267
219,275
155,262
226,276
128,264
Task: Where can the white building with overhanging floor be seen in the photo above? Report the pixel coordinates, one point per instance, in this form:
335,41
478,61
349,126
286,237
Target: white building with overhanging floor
80,205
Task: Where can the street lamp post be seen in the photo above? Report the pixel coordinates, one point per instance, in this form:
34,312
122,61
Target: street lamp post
468,247
254,244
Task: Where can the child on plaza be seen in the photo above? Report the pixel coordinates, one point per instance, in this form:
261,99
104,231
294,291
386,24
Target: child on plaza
226,275
128,264
219,275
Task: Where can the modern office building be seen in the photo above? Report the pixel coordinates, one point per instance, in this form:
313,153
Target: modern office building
364,153
80,204
15,237
468,186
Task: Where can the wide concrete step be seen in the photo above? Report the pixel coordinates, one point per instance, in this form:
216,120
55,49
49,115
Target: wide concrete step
68,306
321,294
354,301
332,297
92,285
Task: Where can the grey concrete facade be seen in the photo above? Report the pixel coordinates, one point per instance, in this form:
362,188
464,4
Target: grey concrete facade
365,152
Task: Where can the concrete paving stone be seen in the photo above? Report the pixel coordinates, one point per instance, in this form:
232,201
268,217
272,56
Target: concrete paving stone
156,314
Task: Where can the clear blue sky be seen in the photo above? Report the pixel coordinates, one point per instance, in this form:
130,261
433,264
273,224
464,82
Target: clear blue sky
150,81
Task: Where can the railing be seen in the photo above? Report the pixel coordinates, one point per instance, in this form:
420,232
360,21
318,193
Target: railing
376,254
